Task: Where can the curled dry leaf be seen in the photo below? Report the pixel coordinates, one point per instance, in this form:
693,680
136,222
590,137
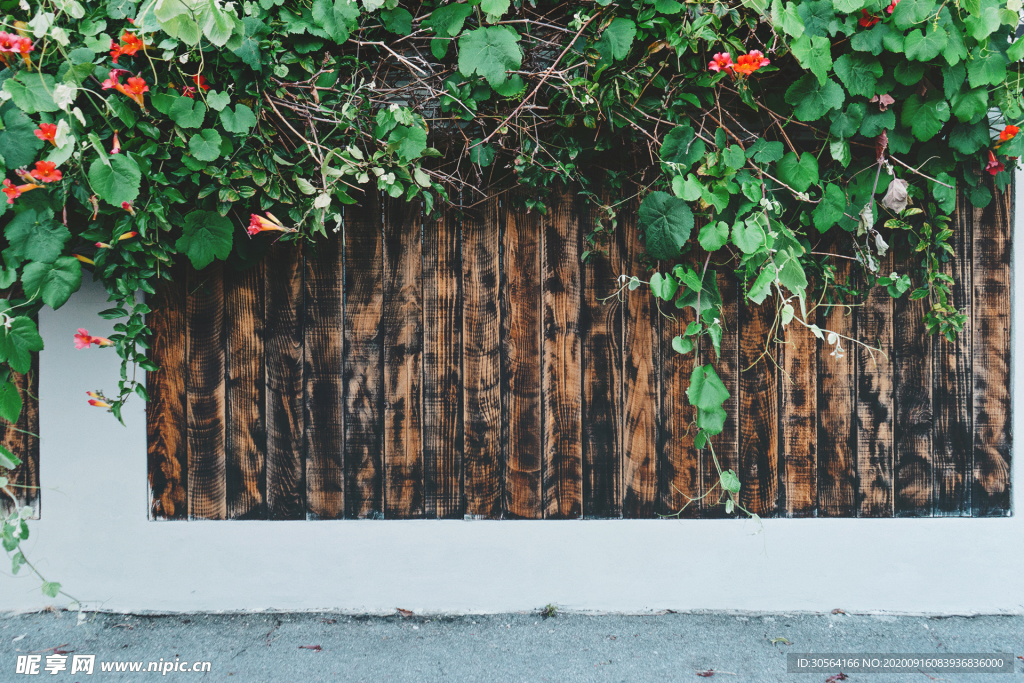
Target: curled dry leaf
404,612
895,198
315,648
706,674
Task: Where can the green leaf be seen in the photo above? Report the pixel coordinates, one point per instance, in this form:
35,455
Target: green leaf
945,196
846,122
786,16
666,223
859,73
481,154
707,393
664,286
969,139
848,6
970,105
799,173
729,481
682,147
408,141
714,235
117,183
218,24
749,235
207,235
338,18
791,273
398,20
687,188
870,40
908,73
10,402
980,26
987,67
910,12
924,117
54,282
448,20
830,209
815,54
32,91
817,16
490,52
734,157
249,50
925,46
8,460
1016,51
35,236
51,589
18,142
18,342
239,121
205,145
952,79
813,100
494,9
187,113
216,100
765,152
618,38
876,121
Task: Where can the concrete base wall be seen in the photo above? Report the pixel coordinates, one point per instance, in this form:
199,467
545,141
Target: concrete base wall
95,539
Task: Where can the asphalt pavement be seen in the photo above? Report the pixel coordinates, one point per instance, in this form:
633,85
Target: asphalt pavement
559,647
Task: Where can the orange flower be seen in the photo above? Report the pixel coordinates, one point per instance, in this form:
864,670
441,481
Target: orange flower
47,132
127,235
131,44
133,89
867,19
46,172
1008,133
750,62
892,6
127,206
115,51
11,190
720,61
99,403
200,82
83,340
117,145
84,259
258,224
993,166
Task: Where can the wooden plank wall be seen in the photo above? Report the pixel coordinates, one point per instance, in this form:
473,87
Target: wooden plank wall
472,364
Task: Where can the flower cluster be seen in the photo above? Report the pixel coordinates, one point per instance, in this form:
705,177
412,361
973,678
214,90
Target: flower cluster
84,340
12,43
743,66
129,45
44,172
133,88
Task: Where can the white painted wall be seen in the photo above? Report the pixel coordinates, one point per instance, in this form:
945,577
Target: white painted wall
95,539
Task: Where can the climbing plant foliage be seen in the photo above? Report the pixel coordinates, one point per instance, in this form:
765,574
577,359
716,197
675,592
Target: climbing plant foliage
764,137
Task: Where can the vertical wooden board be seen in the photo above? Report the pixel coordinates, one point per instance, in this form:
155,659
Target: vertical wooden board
442,367
953,427
912,400
364,357
601,359
758,409
286,481
403,359
640,354
521,360
875,415
167,443
726,445
991,358
798,421
481,364
206,409
561,379
679,465
837,404
245,389
22,439
323,380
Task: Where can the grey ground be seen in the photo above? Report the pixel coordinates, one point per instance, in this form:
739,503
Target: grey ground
506,647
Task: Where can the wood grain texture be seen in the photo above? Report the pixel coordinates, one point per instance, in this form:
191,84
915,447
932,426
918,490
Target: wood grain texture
167,443
837,408
442,367
322,375
727,444
403,361
875,413
991,358
952,399
679,466
364,358
912,400
798,420
640,354
286,476
521,360
561,376
601,365
22,439
481,364
758,409
245,393
204,322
